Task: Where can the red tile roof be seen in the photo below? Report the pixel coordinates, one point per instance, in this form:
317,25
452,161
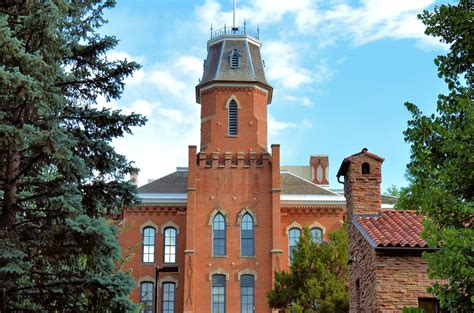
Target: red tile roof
393,228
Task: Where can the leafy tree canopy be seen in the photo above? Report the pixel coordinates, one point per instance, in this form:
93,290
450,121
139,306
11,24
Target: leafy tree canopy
441,170
59,175
318,277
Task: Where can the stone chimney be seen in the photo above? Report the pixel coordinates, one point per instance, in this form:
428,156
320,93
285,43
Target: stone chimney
319,169
362,177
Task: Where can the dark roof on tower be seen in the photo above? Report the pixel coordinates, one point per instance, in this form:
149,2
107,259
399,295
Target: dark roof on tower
217,66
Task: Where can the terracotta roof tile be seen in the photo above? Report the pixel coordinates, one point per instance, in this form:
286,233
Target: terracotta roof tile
393,228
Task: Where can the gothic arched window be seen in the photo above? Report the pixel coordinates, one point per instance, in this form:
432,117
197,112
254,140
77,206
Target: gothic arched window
293,239
247,236
218,235
317,234
233,115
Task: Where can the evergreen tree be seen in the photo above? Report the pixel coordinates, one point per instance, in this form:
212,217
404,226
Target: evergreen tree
318,277
441,170
59,175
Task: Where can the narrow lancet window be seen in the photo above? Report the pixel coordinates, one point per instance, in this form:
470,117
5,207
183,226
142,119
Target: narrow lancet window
233,115
219,235
247,236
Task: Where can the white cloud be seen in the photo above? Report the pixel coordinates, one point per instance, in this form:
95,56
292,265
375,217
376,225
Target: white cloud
275,127
282,65
361,23
373,20
302,101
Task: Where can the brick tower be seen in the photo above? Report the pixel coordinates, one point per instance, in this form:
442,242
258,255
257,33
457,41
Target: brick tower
233,181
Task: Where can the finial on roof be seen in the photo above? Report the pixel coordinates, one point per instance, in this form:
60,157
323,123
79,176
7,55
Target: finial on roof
233,24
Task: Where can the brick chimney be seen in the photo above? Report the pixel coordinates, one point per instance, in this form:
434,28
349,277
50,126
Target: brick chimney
362,177
319,169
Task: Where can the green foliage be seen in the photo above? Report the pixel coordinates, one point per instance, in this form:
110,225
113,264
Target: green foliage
318,278
441,170
393,191
59,175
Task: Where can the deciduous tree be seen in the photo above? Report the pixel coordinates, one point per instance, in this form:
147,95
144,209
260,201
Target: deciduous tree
441,170
318,277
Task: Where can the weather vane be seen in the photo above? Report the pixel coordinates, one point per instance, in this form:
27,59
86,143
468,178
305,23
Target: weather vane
233,24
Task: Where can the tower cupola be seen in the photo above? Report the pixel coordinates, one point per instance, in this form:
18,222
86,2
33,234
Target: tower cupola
233,92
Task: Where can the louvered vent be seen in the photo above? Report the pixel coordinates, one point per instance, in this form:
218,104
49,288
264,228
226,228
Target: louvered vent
234,59
233,118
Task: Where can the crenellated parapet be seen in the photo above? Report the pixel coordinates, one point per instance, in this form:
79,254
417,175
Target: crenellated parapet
218,159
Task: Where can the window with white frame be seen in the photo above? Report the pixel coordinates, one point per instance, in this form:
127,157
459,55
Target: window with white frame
148,245
170,245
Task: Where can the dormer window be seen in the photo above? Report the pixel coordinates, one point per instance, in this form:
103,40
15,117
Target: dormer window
234,59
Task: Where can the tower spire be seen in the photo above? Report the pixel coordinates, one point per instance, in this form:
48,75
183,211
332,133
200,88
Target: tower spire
233,23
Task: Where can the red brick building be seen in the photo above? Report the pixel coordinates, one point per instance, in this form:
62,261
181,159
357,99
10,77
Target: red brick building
224,224
386,270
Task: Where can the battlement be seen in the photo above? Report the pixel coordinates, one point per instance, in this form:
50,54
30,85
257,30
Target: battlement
233,160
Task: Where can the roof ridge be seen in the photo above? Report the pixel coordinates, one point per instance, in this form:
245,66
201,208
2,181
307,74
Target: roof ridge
310,182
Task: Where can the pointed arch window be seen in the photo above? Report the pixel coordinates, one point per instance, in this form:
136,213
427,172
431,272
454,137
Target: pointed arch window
218,235
170,245
247,236
317,234
233,118
234,59
293,239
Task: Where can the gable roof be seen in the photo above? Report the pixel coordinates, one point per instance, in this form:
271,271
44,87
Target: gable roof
392,228
176,182
292,185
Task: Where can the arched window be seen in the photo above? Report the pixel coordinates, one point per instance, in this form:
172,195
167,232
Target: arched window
219,235
148,252
247,236
218,293
146,297
168,297
170,245
233,116
293,239
317,234
247,293
365,168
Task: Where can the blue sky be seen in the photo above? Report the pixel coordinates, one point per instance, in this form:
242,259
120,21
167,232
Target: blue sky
341,71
